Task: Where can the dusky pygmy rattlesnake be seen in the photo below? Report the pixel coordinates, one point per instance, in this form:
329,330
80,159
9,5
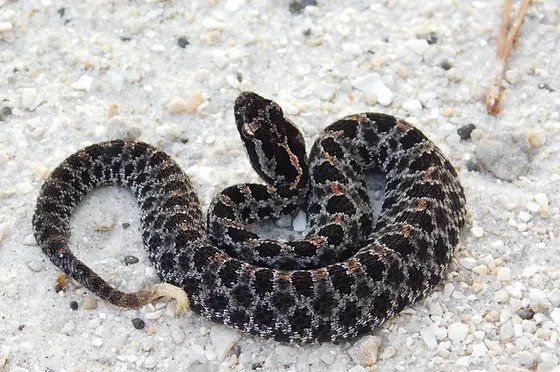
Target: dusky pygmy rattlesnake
346,277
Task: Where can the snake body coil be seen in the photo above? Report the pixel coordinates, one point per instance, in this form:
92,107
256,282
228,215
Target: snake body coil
343,279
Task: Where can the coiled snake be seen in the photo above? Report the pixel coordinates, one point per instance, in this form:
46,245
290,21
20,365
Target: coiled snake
343,279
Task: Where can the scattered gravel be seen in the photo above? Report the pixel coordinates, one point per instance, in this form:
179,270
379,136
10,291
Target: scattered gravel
223,339
297,6
364,351
130,260
372,84
138,323
182,41
457,331
465,131
89,303
168,73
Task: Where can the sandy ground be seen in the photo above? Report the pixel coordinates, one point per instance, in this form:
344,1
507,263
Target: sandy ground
78,72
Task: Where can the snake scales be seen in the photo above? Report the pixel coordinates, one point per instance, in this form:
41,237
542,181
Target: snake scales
344,278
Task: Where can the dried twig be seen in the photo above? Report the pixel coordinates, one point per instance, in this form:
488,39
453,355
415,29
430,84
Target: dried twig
505,42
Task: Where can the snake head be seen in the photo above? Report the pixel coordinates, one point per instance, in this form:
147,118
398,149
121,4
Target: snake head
258,118
274,144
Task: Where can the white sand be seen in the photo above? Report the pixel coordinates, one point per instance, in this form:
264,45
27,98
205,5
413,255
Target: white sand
62,71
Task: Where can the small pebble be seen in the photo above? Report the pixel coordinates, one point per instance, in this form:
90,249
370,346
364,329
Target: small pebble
153,315
132,75
90,303
477,231
526,313
372,84
480,350
83,83
97,342
525,358
468,262
223,339
457,331
446,65
130,260
73,305
150,362
537,295
541,200
364,351
430,335
481,269
297,6
501,296
524,216
189,105
465,131
35,266
300,222
151,330
5,26
113,110
6,111
125,225
158,48
412,105
138,323
504,274
554,297
463,361
432,39
418,46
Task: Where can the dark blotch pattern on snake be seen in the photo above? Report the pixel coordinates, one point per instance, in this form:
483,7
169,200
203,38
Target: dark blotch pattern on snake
343,288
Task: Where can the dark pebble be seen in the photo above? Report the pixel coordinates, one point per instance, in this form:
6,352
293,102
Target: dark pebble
306,32
74,305
446,65
239,76
546,86
6,111
21,327
526,313
125,225
125,38
465,131
184,140
138,323
182,41
130,260
432,39
297,6
257,365
61,12
472,166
